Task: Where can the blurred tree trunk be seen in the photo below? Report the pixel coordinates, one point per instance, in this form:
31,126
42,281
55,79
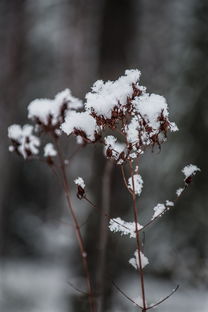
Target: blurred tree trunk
198,125
12,51
116,32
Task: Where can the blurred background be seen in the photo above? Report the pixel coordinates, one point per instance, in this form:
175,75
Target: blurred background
47,46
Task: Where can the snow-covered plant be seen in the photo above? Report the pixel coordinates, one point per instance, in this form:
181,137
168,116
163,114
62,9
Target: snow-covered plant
126,120
48,116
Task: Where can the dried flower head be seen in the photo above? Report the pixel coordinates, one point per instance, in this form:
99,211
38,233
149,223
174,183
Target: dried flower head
138,119
49,114
189,171
23,141
80,187
82,125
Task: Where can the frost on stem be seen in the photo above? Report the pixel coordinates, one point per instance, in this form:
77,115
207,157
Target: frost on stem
125,228
23,141
80,187
159,209
135,261
138,184
179,191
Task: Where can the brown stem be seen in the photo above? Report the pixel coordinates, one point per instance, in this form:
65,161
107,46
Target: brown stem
126,296
77,230
124,179
141,276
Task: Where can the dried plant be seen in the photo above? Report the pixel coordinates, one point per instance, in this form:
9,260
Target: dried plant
126,120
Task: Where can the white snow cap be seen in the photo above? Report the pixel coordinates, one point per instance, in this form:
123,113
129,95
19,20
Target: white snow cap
25,142
190,170
82,122
150,107
46,110
158,209
125,228
49,150
169,203
135,260
138,184
106,95
179,191
80,182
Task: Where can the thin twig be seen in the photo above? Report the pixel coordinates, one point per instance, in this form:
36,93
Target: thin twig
164,299
77,289
124,179
77,229
74,152
163,212
126,296
135,212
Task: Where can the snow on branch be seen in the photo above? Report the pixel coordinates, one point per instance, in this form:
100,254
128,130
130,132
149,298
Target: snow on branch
189,171
136,185
135,260
125,228
159,209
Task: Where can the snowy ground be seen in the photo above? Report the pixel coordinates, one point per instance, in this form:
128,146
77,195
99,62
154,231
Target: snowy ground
33,288
44,288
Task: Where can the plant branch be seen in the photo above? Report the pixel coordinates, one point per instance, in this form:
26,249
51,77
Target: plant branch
135,212
164,299
77,230
124,179
163,212
126,296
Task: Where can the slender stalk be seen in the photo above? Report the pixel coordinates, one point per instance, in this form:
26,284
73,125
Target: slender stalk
141,275
124,179
126,296
77,231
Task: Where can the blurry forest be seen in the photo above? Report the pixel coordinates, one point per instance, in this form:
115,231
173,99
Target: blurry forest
47,46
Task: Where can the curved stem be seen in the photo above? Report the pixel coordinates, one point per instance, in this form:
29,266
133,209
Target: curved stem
164,299
126,296
124,179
